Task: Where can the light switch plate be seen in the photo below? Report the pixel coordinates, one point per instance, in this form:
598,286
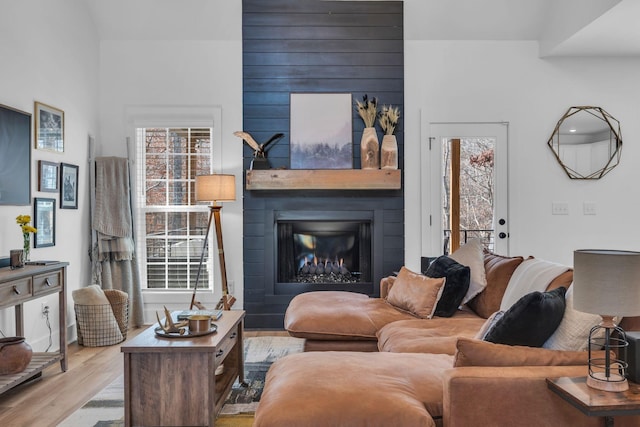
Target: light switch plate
589,208
559,208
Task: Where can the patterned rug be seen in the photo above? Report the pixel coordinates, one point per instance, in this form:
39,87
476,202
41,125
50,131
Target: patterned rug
106,409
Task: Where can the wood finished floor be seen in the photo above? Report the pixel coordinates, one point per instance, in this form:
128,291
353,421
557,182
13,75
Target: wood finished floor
56,395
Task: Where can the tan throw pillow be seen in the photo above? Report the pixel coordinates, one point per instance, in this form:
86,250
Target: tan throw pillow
498,270
472,352
415,293
471,254
90,295
573,331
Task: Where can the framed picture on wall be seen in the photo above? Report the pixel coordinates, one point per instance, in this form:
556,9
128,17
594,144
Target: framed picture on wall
44,219
68,186
321,131
15,157
49,128
47,176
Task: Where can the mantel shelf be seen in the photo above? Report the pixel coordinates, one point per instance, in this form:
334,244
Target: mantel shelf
324,179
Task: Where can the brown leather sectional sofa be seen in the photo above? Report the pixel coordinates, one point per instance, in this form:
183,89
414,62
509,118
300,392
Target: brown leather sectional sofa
381,366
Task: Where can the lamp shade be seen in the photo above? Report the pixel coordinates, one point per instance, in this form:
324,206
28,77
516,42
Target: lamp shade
215,188
606,282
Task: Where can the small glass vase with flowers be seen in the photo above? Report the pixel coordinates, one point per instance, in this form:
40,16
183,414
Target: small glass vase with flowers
24,222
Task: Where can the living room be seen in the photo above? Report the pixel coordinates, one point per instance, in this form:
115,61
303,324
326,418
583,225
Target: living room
490,61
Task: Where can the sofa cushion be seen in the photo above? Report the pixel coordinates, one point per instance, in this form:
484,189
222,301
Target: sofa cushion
337,315
531,320
565,280
356,389
471,352
456,284
437,336
498,270
415,293
471,255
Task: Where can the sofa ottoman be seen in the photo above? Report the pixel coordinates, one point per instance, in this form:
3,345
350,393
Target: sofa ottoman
352,389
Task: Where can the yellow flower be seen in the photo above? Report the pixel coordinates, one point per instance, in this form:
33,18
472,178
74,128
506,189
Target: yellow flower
23,219
28,229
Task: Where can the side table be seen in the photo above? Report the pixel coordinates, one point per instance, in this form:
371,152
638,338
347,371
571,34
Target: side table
172,381
597,403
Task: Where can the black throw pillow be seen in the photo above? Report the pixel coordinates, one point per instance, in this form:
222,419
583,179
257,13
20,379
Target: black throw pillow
456,284
531,320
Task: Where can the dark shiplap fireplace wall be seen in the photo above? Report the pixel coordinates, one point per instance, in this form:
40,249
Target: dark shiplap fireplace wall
315,46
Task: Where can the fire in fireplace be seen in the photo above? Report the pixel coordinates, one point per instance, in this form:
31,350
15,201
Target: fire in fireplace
330,248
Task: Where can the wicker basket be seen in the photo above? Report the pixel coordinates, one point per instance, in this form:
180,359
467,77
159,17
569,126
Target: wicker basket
105,324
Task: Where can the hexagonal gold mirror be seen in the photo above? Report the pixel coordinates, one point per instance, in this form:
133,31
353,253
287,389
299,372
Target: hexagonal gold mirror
587,142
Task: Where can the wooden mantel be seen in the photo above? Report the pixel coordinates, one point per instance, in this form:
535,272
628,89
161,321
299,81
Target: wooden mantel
324,179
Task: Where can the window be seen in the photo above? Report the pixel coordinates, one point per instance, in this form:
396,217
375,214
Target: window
171,226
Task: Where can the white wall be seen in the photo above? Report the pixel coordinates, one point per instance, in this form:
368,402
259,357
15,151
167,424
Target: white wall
507,81
180,75
49,53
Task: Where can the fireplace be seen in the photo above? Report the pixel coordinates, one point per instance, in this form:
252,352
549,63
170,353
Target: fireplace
323,250
364,229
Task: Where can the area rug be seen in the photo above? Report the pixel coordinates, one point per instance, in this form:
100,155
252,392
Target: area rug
106,409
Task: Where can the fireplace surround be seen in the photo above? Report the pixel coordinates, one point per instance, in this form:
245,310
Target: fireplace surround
327,67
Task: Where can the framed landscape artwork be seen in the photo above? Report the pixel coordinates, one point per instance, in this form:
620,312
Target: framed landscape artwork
68,186
49,128
321,131
15,157
44,219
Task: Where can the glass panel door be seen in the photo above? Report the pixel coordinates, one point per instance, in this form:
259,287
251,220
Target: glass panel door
476,195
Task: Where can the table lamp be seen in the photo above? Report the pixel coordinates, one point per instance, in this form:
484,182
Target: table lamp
215,188
607,282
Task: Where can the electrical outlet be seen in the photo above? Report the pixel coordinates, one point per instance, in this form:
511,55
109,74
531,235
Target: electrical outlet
44,308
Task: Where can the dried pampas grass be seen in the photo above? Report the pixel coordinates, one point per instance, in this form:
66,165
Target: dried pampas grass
389,119
368,110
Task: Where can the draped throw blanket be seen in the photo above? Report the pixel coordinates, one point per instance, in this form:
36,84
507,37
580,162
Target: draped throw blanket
113,253
530,276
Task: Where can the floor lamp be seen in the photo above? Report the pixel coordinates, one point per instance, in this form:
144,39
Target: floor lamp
215,188
607,282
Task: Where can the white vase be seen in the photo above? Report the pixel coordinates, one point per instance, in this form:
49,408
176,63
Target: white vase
369,149
389,152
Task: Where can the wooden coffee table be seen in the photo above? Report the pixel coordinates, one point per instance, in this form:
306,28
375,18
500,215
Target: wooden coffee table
172,381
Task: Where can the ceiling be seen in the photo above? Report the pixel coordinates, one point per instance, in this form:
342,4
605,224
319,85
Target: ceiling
562,27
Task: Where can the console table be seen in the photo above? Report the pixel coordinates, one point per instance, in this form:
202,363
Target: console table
172,381
29,283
